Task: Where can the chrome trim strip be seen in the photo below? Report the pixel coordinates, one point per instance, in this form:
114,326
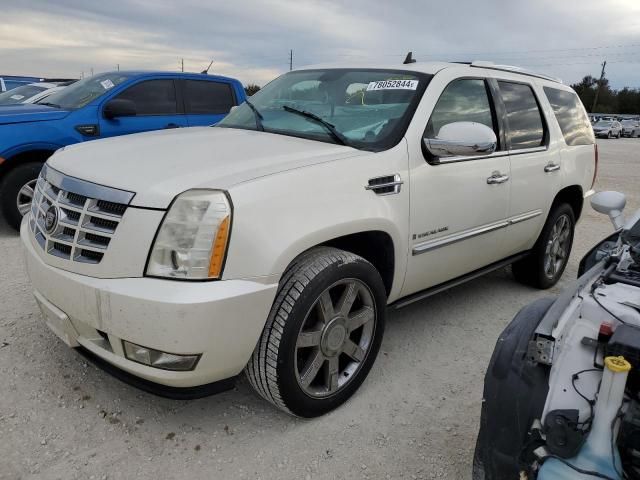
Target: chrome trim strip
525,216
457,237
383,185
501,153
473,232
85,188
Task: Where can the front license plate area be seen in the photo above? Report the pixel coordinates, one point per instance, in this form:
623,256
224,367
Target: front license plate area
57,321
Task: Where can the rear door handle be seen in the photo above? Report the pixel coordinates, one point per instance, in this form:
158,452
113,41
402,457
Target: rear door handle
497,177
552,167
172,125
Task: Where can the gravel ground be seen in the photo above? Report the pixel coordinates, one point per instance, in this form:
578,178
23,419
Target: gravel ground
415,417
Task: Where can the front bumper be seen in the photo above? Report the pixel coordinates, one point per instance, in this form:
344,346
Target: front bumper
221,320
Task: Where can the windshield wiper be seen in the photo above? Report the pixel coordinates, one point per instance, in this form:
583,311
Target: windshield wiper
341,139
258,116
54,105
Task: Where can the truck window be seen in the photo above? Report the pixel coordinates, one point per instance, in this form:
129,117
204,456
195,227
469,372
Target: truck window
525,125
203,96
153,97
571,116
464,100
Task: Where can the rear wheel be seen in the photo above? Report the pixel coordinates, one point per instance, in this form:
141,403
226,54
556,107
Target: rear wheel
16,192
322,335
544,266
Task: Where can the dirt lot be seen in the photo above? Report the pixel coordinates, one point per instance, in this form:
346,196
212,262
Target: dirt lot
415,417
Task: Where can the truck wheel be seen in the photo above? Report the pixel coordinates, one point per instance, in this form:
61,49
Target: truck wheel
322,335
16,192
544,266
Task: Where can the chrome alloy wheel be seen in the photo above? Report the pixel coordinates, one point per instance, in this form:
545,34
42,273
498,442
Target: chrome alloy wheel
25,197
335,338
557,249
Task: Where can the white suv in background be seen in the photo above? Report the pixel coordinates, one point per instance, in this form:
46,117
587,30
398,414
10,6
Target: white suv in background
273,242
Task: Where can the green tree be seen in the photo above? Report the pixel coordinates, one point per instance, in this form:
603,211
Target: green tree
251,88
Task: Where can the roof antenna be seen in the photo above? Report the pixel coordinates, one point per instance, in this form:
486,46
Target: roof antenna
409,59
206,71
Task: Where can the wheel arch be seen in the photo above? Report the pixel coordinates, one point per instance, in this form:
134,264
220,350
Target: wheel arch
375,245
572,195
38,153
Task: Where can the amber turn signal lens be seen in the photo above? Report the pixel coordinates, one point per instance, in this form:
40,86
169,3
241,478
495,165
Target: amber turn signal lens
219,249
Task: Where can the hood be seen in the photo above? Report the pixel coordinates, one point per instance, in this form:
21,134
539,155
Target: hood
29,113
157,166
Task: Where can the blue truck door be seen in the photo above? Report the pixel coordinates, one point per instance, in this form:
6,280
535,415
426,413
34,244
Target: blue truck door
206,102
156,105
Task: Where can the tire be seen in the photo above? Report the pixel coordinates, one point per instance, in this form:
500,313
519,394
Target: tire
297,337
548,258
609,135
14,191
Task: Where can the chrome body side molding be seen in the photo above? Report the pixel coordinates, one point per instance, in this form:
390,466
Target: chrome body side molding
472,232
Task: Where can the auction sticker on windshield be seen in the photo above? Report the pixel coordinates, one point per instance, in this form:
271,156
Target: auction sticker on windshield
393,85
107,84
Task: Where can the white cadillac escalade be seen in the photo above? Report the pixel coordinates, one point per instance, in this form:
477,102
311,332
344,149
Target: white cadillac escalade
273,242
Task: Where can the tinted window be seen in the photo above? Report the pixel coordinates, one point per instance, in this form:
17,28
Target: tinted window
208,97
153,97
20,94
464,100
526,129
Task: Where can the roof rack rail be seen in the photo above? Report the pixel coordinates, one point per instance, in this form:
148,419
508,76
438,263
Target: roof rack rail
514,69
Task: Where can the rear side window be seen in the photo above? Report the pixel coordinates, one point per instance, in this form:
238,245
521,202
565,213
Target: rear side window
464,100
526,128
571,116
153,97
208,97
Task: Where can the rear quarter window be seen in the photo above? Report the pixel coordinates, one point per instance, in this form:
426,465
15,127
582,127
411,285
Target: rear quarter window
573,121
208,97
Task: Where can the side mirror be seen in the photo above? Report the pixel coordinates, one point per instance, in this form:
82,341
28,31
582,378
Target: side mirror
611,204
119,107
467,139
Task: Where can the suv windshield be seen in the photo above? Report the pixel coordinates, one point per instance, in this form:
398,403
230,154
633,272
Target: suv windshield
366,109
81,93
20,94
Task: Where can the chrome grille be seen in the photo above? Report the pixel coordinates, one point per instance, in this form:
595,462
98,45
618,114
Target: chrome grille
85,224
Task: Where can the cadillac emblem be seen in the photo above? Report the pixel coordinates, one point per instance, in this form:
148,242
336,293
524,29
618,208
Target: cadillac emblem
51,219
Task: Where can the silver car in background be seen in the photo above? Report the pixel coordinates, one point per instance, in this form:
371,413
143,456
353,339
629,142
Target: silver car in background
607,129
631,128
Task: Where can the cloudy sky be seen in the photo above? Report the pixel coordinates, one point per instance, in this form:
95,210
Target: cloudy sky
251,39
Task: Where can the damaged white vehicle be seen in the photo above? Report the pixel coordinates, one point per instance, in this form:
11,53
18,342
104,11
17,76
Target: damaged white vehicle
561,392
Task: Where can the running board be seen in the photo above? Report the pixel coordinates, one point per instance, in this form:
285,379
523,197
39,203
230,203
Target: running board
416,297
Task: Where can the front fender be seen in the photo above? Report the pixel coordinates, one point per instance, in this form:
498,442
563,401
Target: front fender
279,216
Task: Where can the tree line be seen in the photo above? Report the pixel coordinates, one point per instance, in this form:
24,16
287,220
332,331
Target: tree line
626,100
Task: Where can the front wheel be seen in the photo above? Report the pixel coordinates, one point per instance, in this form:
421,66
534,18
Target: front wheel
544,266
16,192
322,335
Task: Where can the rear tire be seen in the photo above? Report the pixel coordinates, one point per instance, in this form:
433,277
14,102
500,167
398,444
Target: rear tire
16,192
546,262
322,335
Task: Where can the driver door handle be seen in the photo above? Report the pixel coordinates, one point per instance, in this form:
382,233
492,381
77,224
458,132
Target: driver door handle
497,177
552,167
172,125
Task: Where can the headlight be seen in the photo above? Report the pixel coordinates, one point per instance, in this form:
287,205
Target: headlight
192,240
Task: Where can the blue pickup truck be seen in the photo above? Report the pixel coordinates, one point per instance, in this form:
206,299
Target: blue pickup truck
105,105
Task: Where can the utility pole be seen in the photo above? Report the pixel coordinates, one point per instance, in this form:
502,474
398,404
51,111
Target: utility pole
92,71
118,67
595,99
290,60
182,64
